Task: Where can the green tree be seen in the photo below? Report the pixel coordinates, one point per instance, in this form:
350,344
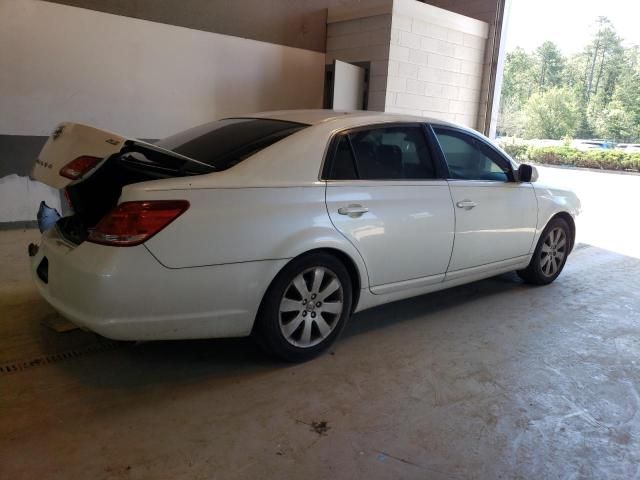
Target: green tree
552,114
604,58
593,93
519,78
573,79
512,120
625,103
615,122
550,65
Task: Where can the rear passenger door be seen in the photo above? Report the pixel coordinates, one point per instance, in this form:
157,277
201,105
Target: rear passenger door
386,195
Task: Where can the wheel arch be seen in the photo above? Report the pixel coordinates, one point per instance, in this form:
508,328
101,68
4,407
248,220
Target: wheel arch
566,216
352,269
355,275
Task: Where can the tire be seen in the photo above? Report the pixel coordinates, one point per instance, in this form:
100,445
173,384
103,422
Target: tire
305,308
550,254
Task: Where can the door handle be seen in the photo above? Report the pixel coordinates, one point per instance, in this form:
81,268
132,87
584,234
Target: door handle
353,210
466,204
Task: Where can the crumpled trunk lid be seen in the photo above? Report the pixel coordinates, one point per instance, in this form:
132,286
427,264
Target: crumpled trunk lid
95,192
68,142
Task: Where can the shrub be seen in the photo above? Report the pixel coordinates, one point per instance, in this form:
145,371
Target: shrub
567,156
602,159
516,150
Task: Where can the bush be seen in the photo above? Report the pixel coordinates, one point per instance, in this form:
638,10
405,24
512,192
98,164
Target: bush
602,159
567,156
516,150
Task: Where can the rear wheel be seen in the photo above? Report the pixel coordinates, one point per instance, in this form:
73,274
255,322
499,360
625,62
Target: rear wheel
550,254
305,308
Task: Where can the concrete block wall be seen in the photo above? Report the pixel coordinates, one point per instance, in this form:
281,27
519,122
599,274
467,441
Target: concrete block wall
436,63
425,61
363,40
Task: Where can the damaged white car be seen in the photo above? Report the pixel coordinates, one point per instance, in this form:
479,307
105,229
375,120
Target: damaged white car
281,225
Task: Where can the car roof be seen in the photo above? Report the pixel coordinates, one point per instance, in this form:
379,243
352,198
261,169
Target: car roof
295,160
317,116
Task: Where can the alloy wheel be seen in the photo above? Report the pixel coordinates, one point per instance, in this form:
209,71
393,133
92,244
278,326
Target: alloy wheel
311,307
553,251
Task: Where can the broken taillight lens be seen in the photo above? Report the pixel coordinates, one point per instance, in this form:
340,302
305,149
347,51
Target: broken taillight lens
132,223
78,167
67,197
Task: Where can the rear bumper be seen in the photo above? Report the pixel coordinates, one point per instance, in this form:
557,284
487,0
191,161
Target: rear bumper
124,293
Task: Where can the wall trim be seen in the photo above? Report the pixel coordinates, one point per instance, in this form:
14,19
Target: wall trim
19,225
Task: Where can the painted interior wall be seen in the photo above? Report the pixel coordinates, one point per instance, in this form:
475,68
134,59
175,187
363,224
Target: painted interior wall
143,79
299,23
137,77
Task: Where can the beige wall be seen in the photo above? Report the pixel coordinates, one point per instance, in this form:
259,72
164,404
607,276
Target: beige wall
297,23
140,78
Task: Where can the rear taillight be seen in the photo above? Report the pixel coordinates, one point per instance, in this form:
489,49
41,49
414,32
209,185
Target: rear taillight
132,223
78,167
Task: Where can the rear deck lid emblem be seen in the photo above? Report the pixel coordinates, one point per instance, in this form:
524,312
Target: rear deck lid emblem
57,132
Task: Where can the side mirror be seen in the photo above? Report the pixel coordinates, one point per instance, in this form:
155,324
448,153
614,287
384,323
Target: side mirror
527,173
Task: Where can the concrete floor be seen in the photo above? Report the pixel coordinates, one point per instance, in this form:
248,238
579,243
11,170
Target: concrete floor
490,380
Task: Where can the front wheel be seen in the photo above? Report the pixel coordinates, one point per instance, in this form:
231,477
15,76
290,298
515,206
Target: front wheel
305,308
550,254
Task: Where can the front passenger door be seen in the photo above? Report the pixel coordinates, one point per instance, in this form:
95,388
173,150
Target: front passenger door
496,217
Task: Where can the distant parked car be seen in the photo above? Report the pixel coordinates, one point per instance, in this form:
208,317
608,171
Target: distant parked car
281,225
591,144
545,143
629,147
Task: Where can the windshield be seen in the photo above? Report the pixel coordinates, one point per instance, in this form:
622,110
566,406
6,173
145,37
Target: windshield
225,143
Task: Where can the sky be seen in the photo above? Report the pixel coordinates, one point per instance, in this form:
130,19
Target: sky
569,23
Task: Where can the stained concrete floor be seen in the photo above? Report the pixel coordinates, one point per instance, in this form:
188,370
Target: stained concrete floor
490,380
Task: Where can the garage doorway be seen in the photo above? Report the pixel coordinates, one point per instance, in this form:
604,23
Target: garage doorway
346,85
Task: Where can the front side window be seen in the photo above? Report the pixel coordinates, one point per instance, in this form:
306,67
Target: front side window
384,153
469,158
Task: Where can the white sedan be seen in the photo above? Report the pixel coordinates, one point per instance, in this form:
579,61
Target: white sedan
281,225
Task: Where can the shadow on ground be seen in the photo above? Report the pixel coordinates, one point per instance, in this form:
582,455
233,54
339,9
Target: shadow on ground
150,363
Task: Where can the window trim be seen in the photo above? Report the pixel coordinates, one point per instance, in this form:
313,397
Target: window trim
511,174
354,158
441,169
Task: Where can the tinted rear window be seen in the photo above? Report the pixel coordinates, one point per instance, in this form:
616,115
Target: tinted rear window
225,143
